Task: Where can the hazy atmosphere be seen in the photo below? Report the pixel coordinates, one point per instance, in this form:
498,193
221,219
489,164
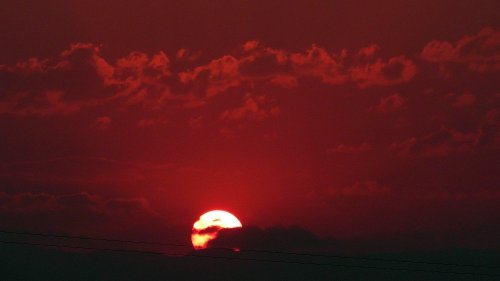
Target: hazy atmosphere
339,129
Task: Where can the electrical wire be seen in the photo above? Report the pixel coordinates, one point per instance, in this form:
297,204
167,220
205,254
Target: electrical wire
251,259
248,250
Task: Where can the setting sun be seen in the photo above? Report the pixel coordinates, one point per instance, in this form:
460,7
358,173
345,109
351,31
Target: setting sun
355,139
208,225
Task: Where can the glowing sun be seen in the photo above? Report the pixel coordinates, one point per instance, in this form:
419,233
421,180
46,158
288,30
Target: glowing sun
208,225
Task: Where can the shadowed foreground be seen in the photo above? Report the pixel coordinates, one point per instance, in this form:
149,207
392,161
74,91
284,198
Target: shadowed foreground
23,262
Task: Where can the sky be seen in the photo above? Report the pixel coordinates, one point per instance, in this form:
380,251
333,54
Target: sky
375,124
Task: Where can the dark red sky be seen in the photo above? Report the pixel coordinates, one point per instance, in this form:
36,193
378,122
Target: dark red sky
369,120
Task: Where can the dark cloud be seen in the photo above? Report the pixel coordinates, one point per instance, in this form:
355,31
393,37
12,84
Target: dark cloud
76,212
439,143
464,100
103,123
130,206
489,129
258,109
395,71
363,69
218,76
433,214
81,77
390,103
60,85
344,148
60,174
479,52
359,189
275,238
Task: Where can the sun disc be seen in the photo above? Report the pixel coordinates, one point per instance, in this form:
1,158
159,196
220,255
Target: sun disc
209,224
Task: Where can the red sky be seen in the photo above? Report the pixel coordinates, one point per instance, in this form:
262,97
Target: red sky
368,120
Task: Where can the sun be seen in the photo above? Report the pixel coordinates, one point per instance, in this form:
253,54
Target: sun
209,224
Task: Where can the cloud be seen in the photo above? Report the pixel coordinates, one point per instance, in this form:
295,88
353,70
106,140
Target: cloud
284,81
138,66
363,69
61,85
184,54
281,238
80,54
216,77
50,102
259,64
26,202
393,212
317,62
148,122
250,45
479,52
75,211
369,51
395,71
358,189
349,149
84,171
142,80
447,141
489,129
252,108
102,123
128,206
81,78
464,100
442,142
390,103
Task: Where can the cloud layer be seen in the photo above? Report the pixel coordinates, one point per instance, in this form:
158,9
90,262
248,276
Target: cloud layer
366,141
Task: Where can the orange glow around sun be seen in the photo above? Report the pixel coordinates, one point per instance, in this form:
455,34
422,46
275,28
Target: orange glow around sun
208,225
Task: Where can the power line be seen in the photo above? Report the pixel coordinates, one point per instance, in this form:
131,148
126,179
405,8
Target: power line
80,237
374,259
352,266
251,259
80,247
248,250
